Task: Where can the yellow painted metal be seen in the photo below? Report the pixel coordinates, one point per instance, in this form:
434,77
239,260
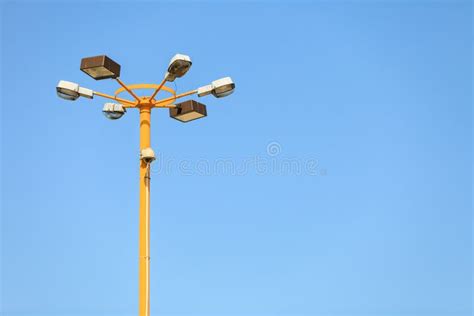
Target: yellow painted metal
145,105
144,86
123,101
144,218
128,89
158,89
163,103
169,100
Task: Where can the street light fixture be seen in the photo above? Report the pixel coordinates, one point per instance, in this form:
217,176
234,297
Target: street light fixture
113,111
188,111
102,67
223,87
72,91
219,88
178,67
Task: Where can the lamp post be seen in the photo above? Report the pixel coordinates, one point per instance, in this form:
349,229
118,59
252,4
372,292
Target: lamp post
102,67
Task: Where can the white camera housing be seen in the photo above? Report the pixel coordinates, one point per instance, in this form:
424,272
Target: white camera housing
147,155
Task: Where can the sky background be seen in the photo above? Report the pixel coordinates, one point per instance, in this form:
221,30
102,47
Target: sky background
369,102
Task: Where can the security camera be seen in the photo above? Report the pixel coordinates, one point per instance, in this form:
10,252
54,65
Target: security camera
147,155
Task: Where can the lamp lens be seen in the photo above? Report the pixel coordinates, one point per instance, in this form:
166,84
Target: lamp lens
113,115
179,68
99,72
224,90
67,94
189,116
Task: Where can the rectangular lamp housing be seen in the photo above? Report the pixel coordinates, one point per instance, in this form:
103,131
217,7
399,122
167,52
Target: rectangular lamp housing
188,111
100,67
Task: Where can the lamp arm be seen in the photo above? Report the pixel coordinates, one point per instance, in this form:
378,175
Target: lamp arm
173,98
127,103
128,90
158,89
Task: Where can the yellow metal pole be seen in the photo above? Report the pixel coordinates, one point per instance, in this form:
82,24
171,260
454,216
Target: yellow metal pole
144,218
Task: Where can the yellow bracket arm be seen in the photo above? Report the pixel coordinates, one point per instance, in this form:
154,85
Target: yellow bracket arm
163,103
158,89
128,90
146,100
167,101
127,103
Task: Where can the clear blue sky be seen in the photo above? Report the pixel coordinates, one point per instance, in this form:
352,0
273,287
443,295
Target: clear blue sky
377,93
